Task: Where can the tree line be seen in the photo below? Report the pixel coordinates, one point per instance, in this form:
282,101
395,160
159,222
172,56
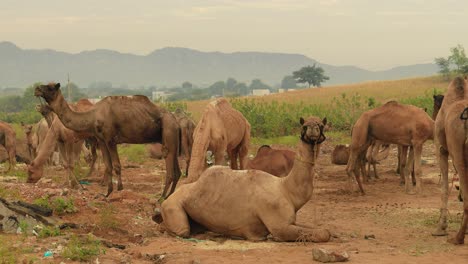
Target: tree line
455,63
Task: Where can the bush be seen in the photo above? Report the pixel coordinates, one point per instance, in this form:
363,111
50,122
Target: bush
82,249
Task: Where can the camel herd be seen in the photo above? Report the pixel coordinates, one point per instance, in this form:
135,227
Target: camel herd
255,197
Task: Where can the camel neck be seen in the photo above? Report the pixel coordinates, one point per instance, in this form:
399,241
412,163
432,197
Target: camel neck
299,183
76,121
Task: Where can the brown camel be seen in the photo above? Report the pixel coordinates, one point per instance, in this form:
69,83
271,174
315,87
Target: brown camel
451,138
8,140
438,99
120,119
340,155
187,127
376,152
69,142
277,162
221,129
249,203
392,123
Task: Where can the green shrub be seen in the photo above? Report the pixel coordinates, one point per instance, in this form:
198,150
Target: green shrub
133,153
49,231
62,206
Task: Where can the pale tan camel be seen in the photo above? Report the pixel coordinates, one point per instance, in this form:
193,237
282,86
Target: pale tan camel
120,119
8,140
69,142
28,131
392,123
221,129
249,203
451,138
277,162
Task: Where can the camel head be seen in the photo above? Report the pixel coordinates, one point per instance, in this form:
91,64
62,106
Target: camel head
312,130
45,110
438,99
27,128
34,173
48,91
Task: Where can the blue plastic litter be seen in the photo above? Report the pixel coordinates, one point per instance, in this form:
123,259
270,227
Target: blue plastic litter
85,182
48,253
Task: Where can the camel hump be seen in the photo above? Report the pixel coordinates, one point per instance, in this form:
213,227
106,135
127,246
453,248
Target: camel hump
459,83
220,102
391,103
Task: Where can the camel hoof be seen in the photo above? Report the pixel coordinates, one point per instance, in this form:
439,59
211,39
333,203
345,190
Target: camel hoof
456,241
119,187
440,232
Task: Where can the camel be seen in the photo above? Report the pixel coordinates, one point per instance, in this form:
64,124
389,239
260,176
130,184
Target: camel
451,138
221,129
187,127
376,152
340,155
30,138
69,142
249,203
438,99
392,123
8,140
277,162
120,119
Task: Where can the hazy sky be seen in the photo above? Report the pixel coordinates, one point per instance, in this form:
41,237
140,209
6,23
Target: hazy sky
374,34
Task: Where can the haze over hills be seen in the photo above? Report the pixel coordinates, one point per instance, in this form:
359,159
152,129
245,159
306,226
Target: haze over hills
172,66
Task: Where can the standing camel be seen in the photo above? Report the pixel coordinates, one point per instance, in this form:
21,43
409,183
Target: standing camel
69,144
451,138
249,203
8,140
221,129
120,119
187,127
392,123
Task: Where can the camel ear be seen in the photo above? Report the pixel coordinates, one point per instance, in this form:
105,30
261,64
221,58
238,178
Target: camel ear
434,96
324,121
57,86
301,121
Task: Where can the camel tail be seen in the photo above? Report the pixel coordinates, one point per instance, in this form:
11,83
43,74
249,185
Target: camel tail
201,141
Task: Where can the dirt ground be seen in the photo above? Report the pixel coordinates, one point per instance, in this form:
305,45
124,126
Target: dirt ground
401,223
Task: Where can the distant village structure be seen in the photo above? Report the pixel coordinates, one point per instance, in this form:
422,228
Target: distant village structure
159,96
260,92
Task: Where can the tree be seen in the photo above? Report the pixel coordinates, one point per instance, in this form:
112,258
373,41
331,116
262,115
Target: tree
444,65
230,83
258,84
288,82
241,88
312,75
458,58
187,86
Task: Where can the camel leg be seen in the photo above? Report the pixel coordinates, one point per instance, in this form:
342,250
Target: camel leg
114,155
172,163
175,218
415,167
398,169
462,169
93,160
233,153
443,163
243,153
402,156
407,170
11,158
106,157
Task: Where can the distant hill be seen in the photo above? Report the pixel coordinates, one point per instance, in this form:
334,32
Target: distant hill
172,66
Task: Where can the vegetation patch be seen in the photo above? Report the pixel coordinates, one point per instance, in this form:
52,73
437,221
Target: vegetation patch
59,205
82,248
107,217
133,152
9,193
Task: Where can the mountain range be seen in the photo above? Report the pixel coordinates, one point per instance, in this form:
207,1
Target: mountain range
172,66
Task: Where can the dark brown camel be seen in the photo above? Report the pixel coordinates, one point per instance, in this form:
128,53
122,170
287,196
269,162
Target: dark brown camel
392,123
278,162
187,127
438,99
120,119
8,140
451,138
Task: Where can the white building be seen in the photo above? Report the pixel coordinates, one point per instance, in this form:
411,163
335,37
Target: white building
260,92
159,96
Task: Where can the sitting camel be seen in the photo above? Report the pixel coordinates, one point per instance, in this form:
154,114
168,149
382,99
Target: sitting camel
120,119
69,142
393,123
451,138
249,203
221,129
340,155
8,140
278,162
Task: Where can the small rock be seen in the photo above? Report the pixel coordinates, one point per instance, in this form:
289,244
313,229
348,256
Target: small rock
369,236
65,191
325,256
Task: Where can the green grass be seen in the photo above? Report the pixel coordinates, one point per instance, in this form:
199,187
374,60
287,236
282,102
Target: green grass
134,153
59,205
9,193
107,217
7,253
82,249
285,140
49,231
